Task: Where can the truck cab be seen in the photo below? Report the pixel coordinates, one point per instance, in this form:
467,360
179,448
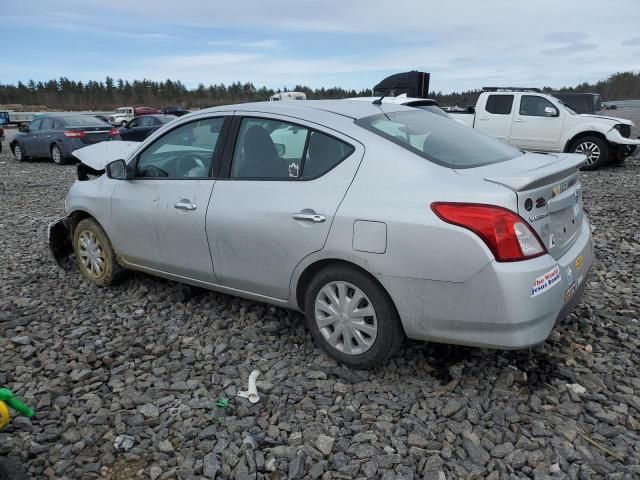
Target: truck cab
532,120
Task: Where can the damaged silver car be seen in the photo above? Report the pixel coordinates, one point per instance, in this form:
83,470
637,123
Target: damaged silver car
376,221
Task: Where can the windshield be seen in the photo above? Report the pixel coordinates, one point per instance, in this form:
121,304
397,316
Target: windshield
567,107
166,118
82,121
438,139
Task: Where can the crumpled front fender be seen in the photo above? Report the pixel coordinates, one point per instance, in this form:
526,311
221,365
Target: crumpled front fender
614,136
59,239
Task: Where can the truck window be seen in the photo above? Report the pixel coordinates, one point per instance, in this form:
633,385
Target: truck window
499,104
533,106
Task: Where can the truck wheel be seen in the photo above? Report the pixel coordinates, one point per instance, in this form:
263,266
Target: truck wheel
352,318
595,149
57,155
123,123
95,255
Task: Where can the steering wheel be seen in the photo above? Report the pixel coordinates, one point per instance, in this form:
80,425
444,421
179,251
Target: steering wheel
190,165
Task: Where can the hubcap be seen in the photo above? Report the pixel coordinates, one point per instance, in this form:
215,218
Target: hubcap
590,150
18,152
91,253
55,153
346,318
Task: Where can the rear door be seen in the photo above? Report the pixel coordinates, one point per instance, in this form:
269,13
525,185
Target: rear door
496,115
284,182
43,141
147,125
537,125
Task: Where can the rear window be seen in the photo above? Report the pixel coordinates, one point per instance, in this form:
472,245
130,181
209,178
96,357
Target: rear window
439,139
82,121
499,104
166,118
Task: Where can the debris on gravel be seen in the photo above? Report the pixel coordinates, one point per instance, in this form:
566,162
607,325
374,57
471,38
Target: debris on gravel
129,382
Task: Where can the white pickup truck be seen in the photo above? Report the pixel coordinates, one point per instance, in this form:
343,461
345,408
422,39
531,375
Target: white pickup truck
531,120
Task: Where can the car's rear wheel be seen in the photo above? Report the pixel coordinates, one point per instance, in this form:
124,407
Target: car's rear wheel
57,155
18,153
95,255
595,149
352,317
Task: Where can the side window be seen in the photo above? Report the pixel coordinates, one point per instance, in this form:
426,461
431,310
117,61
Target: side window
268,149
146,121
323,153
184,152
47,124
35,125
499,104
533,106
133,123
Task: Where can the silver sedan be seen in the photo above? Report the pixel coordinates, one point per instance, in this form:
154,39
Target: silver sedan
379,222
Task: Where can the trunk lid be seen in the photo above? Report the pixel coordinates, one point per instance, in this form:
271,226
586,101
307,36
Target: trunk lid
92,134
549,194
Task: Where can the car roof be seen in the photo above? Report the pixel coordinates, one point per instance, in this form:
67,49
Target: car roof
301,108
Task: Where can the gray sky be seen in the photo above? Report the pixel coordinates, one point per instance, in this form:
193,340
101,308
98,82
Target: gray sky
464,44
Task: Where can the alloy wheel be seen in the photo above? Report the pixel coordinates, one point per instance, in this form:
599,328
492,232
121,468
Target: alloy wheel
56,154
346,318
17,151
91,253
590,150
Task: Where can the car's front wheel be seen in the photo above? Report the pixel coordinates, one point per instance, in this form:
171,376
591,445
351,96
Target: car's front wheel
18,153
595,149
95,255
352,317
57,155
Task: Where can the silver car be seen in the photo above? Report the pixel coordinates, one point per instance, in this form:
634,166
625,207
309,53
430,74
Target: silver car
376,221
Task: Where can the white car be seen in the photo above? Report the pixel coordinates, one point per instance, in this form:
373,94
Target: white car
531,120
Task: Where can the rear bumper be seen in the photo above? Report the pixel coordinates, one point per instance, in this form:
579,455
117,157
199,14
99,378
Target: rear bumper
497,307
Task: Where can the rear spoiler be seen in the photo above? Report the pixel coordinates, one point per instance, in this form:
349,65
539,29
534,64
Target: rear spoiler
566,164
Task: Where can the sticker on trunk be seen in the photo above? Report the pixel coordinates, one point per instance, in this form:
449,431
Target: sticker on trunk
546,281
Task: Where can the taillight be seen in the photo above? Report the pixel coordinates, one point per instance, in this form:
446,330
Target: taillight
74,134
507,235
113,132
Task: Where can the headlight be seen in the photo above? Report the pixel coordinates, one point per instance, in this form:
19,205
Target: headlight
625,130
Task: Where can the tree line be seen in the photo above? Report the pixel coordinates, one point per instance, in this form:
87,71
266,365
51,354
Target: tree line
67,94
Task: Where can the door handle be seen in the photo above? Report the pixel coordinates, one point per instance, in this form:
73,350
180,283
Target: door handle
185,205
309,217
518,120
35,137
484,118
48,136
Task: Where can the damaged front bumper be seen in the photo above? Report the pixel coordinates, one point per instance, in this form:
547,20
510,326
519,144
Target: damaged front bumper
59,239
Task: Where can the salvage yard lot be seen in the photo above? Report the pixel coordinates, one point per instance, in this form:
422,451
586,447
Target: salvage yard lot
150,359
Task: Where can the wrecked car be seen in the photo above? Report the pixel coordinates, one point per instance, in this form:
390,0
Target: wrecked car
379,222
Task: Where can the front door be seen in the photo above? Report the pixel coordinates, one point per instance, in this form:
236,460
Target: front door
161,211
537,125
285,183
29,142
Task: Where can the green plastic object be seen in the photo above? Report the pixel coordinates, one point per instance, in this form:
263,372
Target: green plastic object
222,403
8,397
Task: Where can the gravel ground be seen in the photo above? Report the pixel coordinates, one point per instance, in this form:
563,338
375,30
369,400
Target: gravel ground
142,366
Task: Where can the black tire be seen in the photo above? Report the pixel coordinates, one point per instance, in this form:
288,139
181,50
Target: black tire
389,335
123,123
57,155
585,145
19,153
111,272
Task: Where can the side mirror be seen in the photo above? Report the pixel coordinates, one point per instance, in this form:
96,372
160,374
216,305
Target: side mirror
280,148
117,170
550,112
23,128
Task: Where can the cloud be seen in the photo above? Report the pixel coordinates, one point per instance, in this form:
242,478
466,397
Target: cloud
571,48
632,41
269,43
565,37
